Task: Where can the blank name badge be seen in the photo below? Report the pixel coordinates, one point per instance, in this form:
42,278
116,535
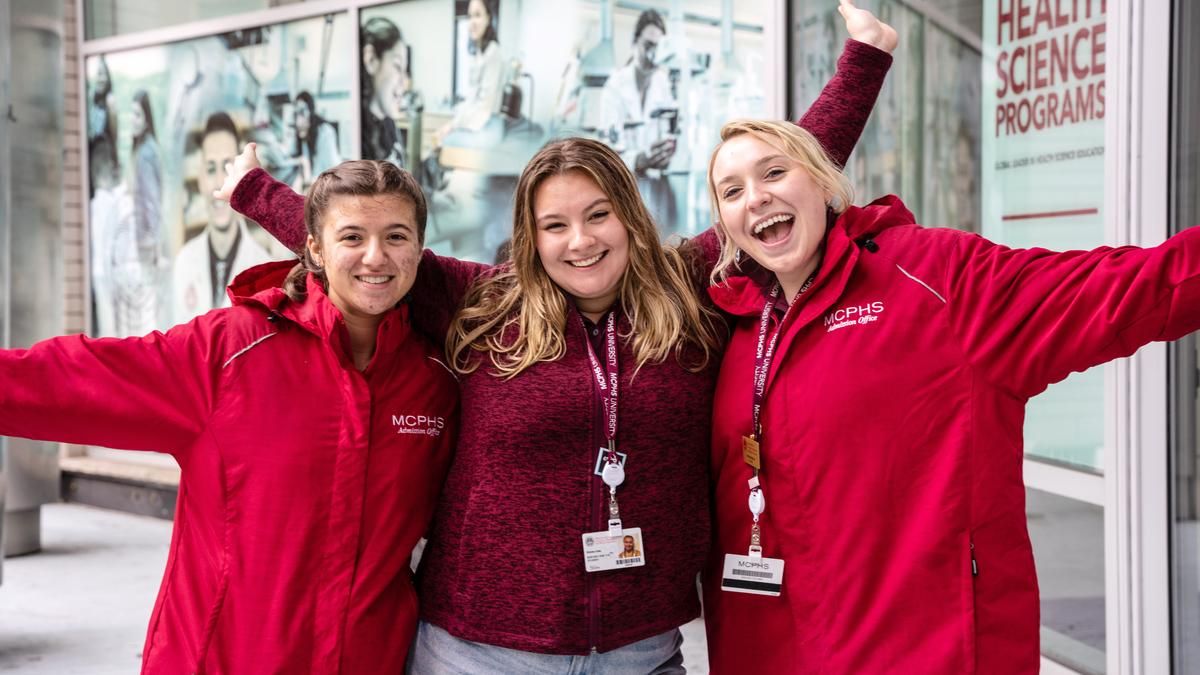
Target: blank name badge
747,574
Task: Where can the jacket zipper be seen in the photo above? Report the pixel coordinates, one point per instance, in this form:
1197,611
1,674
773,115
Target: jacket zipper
974,564
594,592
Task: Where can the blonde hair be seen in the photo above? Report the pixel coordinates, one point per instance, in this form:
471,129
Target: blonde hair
518,316
797,144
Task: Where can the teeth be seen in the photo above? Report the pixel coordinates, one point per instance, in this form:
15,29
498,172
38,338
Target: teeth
374,280
587,262
770,221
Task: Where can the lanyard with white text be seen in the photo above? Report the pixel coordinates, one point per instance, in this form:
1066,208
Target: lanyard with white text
751,445
608,382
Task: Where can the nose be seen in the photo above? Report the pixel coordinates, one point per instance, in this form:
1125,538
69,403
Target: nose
374,255
580,239
756,195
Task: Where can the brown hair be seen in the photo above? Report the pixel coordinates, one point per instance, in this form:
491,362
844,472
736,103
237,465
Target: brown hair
354,178
657,292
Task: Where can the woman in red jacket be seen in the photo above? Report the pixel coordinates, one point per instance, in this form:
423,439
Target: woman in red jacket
313,428
587,371
869,414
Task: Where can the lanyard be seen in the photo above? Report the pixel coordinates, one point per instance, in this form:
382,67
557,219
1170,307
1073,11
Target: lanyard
764,354
608,381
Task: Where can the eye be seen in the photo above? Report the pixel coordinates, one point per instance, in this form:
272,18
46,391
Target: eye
775,172
553,226
398,236
351,236
598,215
730,193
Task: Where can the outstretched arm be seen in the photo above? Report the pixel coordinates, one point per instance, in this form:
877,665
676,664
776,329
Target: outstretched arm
840,113
146,393
1027,318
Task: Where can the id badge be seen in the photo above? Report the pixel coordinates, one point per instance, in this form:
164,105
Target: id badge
603,551
746,574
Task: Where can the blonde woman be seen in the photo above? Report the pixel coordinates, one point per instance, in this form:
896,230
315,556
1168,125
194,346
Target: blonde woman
587,367
881,371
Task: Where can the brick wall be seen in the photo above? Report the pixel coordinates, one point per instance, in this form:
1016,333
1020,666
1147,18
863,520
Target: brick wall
74,191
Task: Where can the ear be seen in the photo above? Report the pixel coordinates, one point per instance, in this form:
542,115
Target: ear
370,59
314,250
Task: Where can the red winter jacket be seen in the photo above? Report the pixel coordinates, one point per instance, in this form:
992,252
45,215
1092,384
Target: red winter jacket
305,483
504,565
892,440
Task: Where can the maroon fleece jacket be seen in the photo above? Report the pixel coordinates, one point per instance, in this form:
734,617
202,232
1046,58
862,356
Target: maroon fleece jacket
504,564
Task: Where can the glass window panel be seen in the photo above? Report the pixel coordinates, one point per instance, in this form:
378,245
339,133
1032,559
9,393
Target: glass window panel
1068,547
1185,405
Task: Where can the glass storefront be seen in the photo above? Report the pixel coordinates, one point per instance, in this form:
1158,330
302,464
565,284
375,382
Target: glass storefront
106,18
1184,211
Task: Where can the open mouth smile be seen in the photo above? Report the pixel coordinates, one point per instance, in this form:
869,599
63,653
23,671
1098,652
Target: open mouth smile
773,229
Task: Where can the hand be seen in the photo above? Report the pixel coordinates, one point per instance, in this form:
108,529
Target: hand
661,153
866,27
236,170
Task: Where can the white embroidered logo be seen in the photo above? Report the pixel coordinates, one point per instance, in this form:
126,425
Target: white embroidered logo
854,315
424,425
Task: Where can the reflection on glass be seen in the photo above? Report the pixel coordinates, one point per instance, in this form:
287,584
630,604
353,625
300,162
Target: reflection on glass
1185,405
1068,548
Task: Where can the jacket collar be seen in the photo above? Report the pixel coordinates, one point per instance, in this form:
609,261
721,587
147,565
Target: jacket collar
262,286
744,292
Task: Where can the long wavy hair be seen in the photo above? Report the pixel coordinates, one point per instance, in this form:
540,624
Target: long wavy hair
517,317
794,142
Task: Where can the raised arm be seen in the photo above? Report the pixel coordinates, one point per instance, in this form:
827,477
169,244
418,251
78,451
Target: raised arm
840,113
252,192
146,393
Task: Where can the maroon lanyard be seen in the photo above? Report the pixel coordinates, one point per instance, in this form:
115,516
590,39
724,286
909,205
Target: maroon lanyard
765,351
608,381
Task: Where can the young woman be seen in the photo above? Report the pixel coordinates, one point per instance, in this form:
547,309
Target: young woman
315,141
313,428
869,411
587,370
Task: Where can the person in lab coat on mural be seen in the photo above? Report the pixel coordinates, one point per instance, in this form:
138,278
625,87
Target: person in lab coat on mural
633,94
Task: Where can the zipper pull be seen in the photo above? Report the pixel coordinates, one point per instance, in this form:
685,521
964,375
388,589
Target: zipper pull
974,565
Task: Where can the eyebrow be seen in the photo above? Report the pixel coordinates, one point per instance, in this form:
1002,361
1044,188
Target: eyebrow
765,160
356,226
548,216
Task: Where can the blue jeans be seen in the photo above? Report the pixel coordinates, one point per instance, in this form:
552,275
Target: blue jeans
436,652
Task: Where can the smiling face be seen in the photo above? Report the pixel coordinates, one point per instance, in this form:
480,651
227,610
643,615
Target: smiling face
369,250
216,150
477,20
582,245
770,207
388,72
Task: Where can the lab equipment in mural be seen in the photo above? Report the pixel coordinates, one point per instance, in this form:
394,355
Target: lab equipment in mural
162,121
464,93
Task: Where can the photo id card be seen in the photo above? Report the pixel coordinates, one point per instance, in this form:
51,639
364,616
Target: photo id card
602,551
745,574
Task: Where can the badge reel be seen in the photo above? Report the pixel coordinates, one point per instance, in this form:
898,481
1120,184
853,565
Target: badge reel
752,573
616,547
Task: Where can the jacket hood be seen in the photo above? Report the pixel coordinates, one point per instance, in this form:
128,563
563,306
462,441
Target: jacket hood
742,292
261,285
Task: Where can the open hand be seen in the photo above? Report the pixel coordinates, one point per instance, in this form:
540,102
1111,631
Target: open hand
866,27
236,170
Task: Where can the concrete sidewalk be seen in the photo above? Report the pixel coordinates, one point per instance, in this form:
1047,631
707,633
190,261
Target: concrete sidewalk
83,603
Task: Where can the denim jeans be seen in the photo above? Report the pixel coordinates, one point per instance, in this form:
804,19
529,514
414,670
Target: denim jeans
436,652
